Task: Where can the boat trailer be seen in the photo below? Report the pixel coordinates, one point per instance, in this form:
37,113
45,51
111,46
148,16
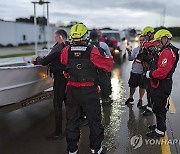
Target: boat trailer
29,101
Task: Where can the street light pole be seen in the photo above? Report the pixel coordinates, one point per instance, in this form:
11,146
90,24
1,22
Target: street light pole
48,39
41,2
35,27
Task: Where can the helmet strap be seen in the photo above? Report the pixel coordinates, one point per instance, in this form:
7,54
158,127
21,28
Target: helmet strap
150,36
164,45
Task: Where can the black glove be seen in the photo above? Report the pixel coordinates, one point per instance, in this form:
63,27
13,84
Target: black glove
155,81
152,50
38,60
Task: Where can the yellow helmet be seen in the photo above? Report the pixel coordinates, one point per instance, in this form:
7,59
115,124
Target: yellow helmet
146,30
78,32
161,33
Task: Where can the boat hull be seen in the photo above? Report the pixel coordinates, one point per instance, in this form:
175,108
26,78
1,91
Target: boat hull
21,82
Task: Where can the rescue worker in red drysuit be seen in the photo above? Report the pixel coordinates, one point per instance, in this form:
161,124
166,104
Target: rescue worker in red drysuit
82,63
160,76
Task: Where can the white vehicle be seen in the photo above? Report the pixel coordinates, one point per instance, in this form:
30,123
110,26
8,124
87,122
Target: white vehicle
119,50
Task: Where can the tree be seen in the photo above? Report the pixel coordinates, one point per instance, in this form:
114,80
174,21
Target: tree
174,30
40,20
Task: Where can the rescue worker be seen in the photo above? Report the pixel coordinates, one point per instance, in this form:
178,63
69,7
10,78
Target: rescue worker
114,41
161,80
148,33
82,63
56,69
104,77
95,35
135,79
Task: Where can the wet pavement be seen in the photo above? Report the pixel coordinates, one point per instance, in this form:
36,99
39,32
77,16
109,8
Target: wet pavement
133,124
23,131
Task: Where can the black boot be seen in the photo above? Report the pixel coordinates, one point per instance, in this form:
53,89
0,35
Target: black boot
107,101
139,104
154,134
129,100
152,127
147,113
143,107
54,136
75,152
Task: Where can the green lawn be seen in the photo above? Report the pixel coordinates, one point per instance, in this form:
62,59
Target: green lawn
18,55
176,39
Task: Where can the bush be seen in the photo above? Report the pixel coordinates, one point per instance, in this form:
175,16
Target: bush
1,46
9,45
174,30
23,44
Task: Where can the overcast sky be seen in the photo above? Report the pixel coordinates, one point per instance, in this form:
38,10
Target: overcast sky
100,13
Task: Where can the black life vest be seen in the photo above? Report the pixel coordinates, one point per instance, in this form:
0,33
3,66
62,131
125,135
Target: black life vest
175,51
79,67
101,50
144,58
95,43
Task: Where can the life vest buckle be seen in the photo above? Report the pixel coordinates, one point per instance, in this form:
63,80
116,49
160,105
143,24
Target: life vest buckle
79,66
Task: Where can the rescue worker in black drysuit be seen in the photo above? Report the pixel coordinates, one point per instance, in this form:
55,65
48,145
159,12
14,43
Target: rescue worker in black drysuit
160,76
82,63
148,33
104,77
56,69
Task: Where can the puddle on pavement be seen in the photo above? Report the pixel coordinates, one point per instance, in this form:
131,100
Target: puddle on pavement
112,115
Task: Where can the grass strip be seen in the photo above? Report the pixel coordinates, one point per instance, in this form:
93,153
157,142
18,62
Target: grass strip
18,55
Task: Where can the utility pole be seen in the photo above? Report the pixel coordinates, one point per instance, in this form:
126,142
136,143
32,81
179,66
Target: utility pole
41,2
35,27
163,17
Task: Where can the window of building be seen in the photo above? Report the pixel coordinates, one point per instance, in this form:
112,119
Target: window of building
24,37
39,37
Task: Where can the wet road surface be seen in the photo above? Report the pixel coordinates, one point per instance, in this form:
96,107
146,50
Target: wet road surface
23,131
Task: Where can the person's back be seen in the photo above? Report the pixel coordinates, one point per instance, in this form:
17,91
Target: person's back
104,77
82,63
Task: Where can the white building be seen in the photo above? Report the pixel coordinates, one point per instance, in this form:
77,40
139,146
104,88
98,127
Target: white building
16,33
